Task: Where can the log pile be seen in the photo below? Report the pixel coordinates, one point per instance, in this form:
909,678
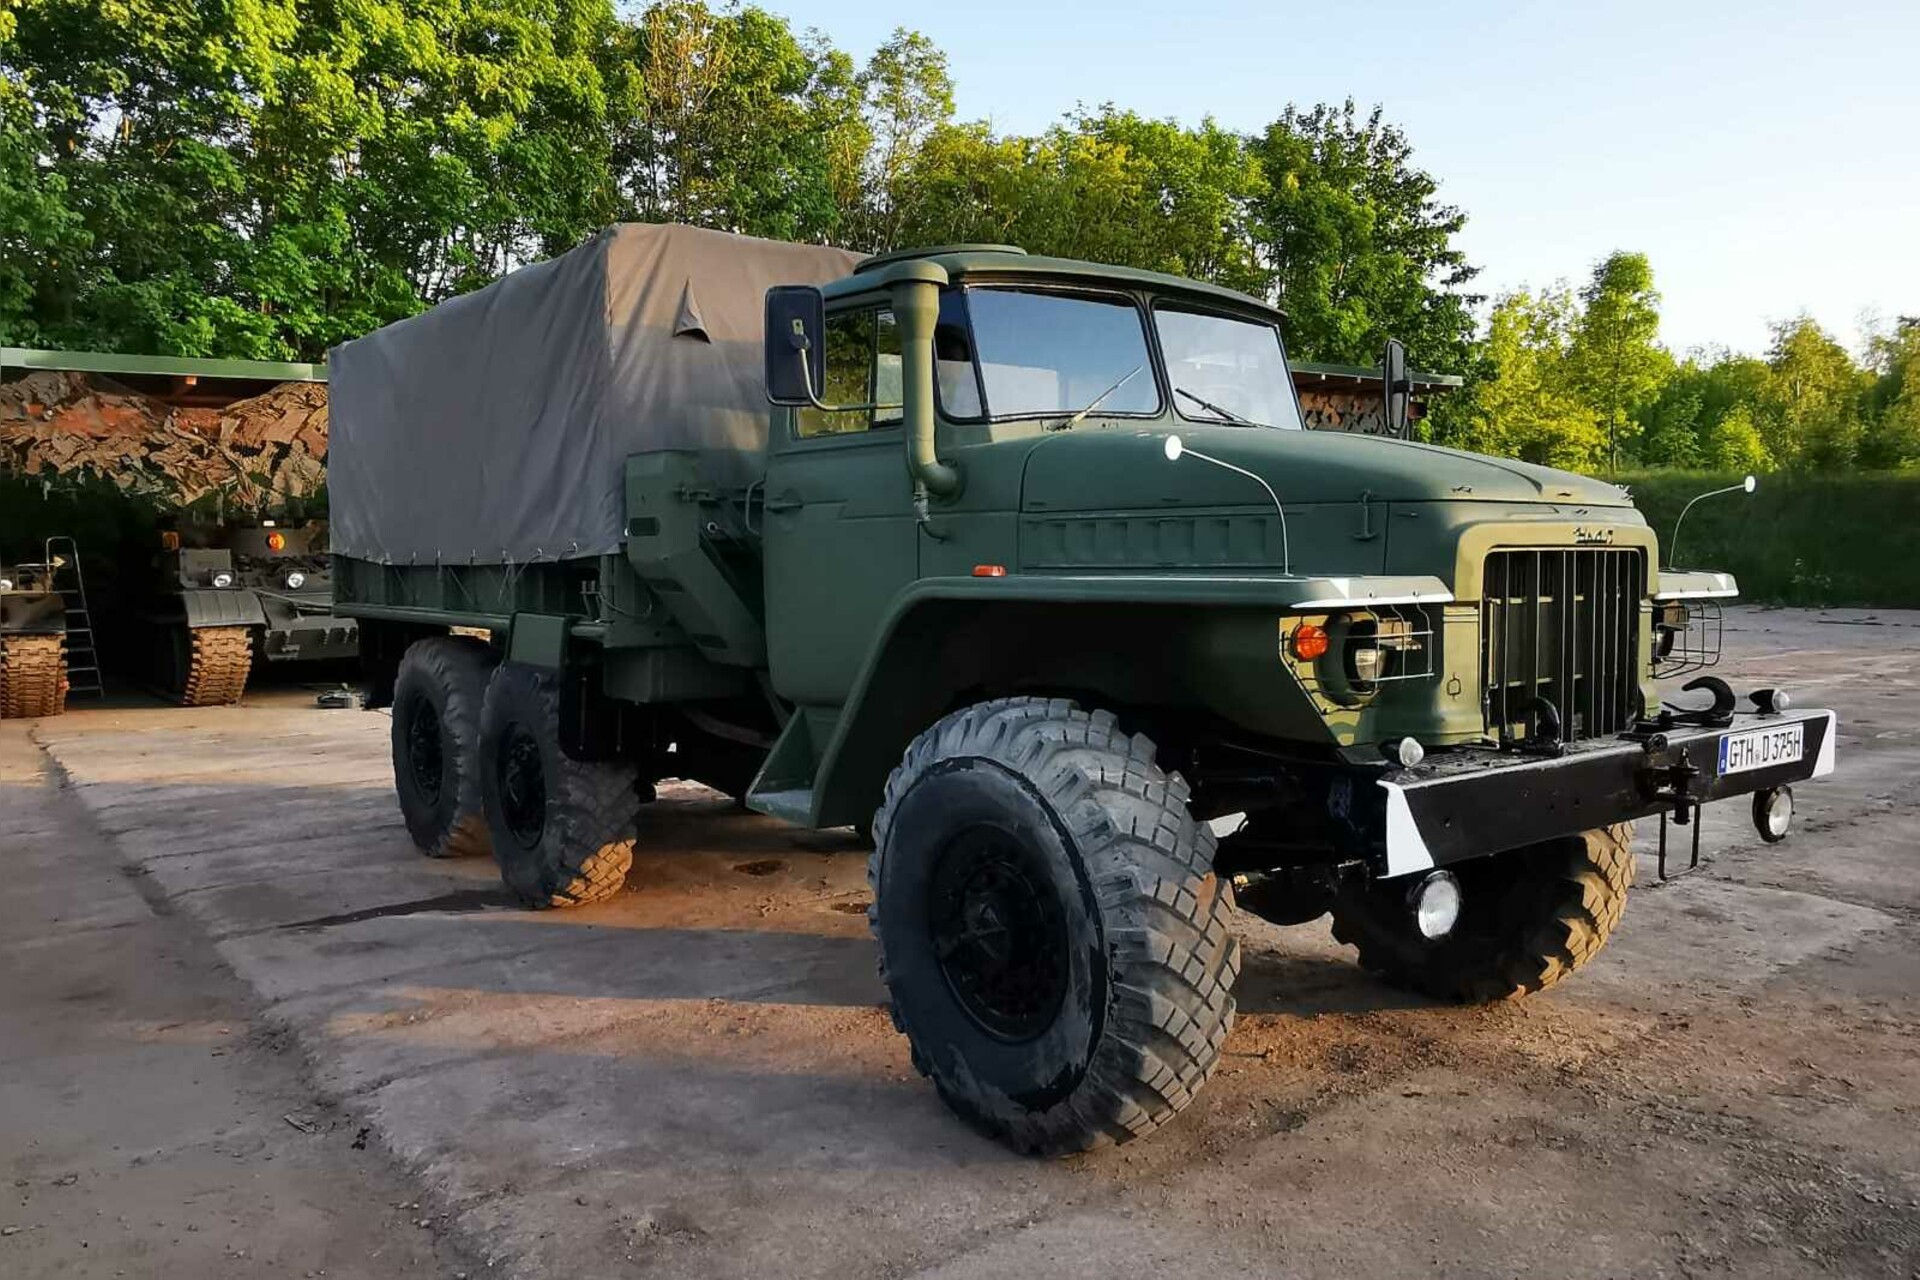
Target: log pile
256,453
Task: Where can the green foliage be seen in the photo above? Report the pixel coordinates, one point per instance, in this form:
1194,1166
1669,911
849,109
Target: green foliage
1361,246
1614,359
1805,539
268,177
1523,401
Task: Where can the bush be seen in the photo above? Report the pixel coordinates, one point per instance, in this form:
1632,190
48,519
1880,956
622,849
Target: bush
1831,539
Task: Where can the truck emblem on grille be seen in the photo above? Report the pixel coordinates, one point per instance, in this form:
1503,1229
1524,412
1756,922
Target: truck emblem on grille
1589,537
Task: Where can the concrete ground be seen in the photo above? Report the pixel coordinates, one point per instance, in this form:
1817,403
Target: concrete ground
696,1079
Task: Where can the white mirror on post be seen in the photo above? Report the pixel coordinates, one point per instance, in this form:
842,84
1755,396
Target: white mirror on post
1747,485
1175,448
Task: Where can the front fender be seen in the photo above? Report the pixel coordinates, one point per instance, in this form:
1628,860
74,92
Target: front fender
1203,643
211,607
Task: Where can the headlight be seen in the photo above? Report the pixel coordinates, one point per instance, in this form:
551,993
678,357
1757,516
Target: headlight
6,584
296,580
223,579
1378,649
1668,626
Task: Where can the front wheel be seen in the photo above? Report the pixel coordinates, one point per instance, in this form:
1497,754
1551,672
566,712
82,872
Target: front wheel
1053,937
1528,918
562,829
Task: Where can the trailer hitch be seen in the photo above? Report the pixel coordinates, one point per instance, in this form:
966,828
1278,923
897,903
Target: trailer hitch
1670,782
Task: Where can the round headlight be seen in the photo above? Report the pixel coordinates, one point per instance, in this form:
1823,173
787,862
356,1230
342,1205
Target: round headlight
296,580
6,584
1408,752
1435,903
223,579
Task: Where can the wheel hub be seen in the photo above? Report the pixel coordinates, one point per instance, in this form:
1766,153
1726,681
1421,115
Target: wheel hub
423,749
523,786
999,933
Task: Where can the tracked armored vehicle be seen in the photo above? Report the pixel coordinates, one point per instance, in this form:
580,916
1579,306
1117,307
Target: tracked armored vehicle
265,594
1031,570
33,642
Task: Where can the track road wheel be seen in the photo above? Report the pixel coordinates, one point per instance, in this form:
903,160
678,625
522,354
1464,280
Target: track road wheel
562,829
33,675
1528,918
210,665
437,697
1055,943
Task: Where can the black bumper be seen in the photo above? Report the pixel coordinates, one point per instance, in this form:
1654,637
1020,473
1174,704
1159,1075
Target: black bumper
1469,804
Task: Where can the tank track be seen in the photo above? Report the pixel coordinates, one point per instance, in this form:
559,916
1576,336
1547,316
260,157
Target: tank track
217,668
33,676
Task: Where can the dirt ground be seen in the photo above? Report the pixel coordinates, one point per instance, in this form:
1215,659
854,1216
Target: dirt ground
217,922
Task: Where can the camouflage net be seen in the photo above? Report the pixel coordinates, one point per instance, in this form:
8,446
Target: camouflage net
256,453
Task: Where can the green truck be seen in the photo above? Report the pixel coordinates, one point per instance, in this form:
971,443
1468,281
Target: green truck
1030,573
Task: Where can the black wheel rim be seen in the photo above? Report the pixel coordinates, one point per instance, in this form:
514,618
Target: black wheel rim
523,786
424,757
999,933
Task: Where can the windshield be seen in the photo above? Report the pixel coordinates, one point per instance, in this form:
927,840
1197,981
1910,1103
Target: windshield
1224,369
1052,353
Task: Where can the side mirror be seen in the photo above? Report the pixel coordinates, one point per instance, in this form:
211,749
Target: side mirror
1395,387
796,359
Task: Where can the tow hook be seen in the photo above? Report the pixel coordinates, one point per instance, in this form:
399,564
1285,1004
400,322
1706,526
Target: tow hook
1671,783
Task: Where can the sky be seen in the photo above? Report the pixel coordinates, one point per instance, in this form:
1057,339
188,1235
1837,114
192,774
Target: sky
1765,156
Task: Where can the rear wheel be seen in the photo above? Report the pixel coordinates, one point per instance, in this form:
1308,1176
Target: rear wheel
1528,918
210,664
1055,943
33,676
437,696
562,829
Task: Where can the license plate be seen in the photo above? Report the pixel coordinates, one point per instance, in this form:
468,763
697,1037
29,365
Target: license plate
1762,748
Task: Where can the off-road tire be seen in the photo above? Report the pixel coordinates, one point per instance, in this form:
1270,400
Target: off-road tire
1528,918
580,849
441,685
1151,957
33,676
211,665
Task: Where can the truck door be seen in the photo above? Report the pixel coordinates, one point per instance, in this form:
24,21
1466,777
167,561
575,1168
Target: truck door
840,536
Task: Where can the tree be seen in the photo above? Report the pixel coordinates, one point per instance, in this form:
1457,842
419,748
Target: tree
1892,436
1810,411
904,94
1616,362
1359,245
1523,401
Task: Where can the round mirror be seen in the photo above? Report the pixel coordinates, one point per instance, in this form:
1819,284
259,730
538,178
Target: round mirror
1175,449
1751,484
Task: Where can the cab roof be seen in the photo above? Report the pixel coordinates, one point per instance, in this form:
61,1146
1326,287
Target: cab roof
1001,261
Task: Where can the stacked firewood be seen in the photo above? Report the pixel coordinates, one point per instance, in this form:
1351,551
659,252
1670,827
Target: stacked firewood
256,453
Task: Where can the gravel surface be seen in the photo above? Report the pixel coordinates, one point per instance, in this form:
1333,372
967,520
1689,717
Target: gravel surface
696,1078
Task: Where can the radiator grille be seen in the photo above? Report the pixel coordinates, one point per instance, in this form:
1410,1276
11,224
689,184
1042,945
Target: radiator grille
1560,623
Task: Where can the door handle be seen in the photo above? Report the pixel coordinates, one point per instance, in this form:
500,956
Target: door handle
786,502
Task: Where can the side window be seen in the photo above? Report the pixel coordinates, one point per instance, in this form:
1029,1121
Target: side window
863,367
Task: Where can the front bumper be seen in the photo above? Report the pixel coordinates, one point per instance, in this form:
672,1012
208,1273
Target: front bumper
1470,803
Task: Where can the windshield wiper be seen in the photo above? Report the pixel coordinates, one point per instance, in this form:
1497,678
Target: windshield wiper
1228,414
1098,400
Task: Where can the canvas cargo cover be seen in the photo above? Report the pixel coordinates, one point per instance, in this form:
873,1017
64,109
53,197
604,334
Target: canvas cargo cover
492,428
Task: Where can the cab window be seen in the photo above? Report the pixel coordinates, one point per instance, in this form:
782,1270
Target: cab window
863,367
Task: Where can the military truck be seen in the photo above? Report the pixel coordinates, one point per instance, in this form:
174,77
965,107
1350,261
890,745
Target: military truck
1030,570
33,639
265,593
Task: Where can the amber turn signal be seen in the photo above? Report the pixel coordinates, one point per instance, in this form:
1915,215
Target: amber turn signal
1309,641
989,571
276,541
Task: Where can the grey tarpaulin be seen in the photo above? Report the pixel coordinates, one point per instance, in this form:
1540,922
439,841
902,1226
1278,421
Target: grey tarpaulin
492,427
